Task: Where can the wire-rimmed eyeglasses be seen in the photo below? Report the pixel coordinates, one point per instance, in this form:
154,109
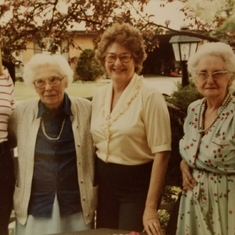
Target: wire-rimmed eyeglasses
123,57
53,81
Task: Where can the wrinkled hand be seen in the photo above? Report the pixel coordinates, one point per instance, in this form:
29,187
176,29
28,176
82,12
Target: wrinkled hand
151,222
188,181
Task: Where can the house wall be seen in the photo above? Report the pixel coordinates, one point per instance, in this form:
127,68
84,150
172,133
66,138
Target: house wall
81,41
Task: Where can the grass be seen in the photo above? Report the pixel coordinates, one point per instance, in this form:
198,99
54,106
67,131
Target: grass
81,89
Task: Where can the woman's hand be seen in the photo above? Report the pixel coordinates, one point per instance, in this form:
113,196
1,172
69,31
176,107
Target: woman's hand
151,222
188,181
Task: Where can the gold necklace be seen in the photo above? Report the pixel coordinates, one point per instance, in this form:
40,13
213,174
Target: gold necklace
200,130
51,138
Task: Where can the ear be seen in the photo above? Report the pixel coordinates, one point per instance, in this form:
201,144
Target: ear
231,79
194,79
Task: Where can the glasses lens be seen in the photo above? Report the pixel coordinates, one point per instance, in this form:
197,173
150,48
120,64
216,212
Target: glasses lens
202,75
125,58
111,58
219,74
39,83
54,81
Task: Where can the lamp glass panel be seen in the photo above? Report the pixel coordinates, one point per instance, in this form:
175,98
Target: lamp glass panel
185,50
193,48
176,51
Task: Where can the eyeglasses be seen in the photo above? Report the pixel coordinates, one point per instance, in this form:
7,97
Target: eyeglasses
215,75
53,81
124,57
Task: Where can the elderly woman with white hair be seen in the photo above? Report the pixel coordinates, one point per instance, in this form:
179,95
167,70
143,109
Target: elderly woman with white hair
55,189
208,146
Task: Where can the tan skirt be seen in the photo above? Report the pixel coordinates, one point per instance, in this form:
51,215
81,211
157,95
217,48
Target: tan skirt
55,224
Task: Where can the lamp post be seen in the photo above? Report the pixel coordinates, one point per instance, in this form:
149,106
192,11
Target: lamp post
184,46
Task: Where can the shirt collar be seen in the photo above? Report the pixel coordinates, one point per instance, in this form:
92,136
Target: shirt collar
66,108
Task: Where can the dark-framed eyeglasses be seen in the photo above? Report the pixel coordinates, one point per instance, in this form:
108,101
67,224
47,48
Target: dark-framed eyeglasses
53,81
203,75
123,57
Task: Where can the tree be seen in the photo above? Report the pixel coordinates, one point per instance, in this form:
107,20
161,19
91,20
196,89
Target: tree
26,20
214,17
88,68
23,21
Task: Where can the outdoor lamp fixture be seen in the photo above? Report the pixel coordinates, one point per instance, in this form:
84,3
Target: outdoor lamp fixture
183,47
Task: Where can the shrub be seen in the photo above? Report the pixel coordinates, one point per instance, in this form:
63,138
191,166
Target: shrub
177,105
182,97
87,67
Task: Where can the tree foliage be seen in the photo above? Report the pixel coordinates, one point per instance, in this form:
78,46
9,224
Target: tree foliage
213,17
23,20
88,69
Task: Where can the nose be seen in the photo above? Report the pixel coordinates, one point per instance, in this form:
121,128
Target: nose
48,86
210,78
117,61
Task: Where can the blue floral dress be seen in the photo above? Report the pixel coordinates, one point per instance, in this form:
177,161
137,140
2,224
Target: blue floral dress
210,208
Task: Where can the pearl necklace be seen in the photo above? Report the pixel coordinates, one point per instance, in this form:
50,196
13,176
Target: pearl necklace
51,138
200,130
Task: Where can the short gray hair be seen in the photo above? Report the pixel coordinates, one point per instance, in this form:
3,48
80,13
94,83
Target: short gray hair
47,60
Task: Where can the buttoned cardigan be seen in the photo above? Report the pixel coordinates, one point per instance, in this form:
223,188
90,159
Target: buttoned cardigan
23,129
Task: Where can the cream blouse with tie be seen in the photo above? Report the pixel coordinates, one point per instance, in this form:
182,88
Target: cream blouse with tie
136,129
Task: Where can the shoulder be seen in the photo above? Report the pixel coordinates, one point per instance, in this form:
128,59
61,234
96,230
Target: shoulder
79,100
151,94
80,103
150,90
32,103
100,91
195,104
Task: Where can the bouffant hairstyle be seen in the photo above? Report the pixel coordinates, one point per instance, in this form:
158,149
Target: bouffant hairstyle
127,36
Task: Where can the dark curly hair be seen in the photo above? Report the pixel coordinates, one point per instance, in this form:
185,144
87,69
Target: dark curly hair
126,35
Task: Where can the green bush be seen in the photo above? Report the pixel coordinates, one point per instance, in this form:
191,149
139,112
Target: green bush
177,105
182,97
87,68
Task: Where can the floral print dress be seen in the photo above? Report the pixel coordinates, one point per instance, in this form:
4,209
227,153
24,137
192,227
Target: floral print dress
210,208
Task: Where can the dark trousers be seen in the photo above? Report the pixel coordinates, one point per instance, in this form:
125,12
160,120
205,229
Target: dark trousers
7,181
122,195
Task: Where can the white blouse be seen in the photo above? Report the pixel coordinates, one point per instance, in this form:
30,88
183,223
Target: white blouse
136,129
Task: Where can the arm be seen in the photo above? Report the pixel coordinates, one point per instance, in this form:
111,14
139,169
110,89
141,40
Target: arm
150,218
188,181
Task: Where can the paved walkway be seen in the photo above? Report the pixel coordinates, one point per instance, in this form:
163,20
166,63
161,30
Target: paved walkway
164,84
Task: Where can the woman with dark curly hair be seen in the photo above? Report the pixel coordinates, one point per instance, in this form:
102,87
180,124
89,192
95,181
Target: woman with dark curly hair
131,131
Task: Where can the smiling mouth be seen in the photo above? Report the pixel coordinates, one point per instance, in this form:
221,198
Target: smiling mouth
118,70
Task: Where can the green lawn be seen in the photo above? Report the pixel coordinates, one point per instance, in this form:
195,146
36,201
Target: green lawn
82,89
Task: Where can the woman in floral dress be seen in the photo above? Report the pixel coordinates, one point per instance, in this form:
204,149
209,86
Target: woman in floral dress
207,204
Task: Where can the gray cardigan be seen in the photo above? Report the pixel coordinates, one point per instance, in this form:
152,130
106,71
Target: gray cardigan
23,129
